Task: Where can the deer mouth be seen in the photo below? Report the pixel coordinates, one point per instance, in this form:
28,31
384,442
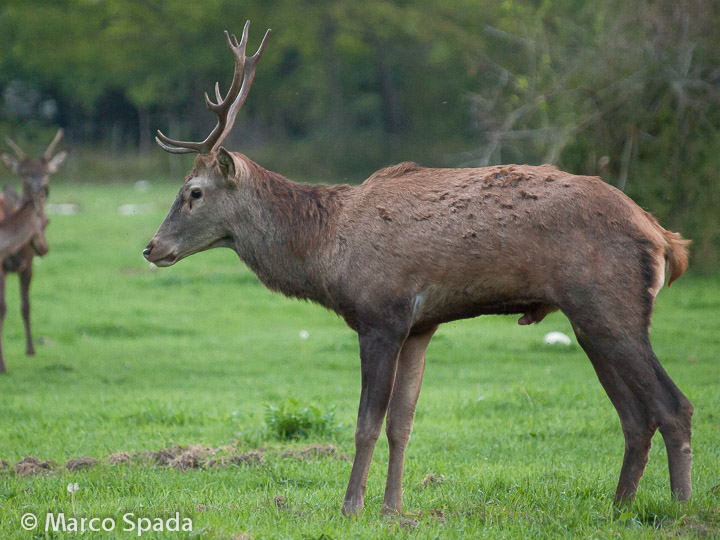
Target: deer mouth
169,260
152,255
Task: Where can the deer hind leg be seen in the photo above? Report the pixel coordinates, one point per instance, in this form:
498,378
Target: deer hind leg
379,350
645,398
637,423
25,278
401,412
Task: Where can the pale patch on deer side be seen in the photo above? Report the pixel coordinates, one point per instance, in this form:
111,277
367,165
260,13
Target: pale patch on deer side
417,305
659,275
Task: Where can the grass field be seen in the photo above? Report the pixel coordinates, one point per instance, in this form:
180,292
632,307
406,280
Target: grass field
513,438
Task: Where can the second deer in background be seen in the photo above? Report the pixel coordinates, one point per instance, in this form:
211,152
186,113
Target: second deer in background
22,225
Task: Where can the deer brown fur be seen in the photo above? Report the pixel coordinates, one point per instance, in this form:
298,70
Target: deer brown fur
415,247
25,223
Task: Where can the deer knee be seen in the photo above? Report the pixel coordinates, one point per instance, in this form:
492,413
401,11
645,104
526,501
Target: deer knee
675,423
367,434
399,425
398,433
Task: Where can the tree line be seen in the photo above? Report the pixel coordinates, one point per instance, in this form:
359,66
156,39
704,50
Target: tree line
629,91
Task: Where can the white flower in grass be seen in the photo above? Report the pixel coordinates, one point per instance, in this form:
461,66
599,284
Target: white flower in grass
304,334
73,487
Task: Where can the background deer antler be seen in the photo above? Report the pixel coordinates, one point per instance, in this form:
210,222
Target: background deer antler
48,153
226,109
18,151
51,148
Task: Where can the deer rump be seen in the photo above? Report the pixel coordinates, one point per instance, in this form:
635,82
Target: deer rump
457,243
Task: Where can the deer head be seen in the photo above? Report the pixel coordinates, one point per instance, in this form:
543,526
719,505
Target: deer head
198,219
35,173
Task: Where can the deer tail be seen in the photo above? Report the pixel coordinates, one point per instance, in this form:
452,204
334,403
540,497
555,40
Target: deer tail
676,254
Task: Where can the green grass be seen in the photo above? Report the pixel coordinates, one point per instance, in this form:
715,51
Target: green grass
513,439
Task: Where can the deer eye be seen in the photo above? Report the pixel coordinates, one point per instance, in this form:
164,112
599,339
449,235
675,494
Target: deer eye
196,194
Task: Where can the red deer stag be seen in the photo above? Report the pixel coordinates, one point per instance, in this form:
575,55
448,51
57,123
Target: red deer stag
414,247
27,213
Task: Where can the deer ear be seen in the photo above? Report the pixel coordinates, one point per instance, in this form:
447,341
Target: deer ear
10,162
56,161
228,164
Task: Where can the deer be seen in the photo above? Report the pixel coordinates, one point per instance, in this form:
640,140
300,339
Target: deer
412,247
25,213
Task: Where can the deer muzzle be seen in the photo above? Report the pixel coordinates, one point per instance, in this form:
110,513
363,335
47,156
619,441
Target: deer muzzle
157,256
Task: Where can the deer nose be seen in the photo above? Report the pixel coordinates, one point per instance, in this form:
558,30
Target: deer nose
148,250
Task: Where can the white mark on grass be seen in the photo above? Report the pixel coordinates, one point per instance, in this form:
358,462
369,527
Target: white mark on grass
135,209
142,186
552,338
62,209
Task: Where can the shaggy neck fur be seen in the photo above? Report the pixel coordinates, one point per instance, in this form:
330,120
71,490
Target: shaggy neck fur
285,229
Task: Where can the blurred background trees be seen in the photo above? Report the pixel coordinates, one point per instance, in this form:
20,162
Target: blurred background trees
629,91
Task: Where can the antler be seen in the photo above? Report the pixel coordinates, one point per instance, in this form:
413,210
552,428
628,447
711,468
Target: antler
51,149
18,151
48,153
226,109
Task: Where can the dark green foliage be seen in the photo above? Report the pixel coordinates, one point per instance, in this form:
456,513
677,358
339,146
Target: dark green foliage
292,420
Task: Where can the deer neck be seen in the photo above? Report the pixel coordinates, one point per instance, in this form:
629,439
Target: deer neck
19,227
284,230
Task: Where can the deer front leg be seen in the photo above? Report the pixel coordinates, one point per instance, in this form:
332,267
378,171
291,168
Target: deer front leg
25,278
378,358
401,412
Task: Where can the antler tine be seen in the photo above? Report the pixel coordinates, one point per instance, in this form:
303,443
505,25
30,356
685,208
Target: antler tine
238,49
51,149
225,108
248,71
18,151
176,147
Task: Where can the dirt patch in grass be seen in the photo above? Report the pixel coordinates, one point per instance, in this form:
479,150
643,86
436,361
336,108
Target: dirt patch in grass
119,458
192,457
182,458
313,452
245,458
195,456
31,466
80,463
